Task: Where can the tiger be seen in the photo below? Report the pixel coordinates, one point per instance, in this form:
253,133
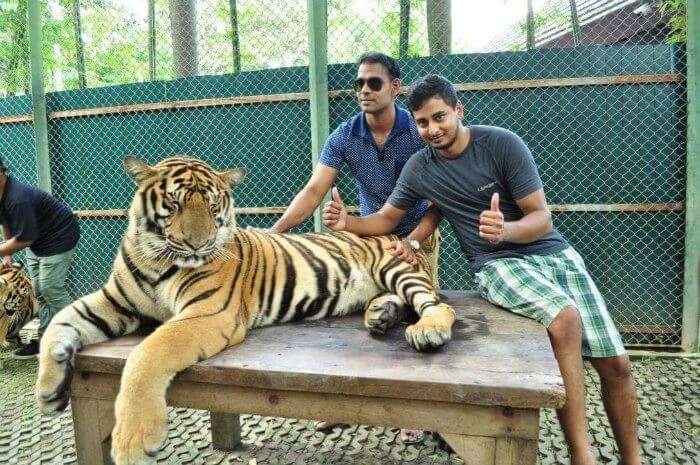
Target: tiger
184,263
18,304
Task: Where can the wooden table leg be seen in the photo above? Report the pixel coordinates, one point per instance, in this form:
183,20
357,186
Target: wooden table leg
93,421
225,431
474,450
500,450
481,450
516,451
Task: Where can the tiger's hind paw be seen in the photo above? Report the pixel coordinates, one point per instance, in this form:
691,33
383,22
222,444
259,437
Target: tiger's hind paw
381,316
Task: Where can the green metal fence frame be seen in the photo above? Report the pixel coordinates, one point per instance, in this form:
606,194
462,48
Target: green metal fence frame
318,84
691,277
319,108
41,128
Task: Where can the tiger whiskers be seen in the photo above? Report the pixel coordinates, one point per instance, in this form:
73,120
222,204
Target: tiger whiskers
153,254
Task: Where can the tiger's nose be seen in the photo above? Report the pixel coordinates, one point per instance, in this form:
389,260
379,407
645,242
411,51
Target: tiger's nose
195,244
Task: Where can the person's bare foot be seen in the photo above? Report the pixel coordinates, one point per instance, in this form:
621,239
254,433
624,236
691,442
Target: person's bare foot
325,426
411,436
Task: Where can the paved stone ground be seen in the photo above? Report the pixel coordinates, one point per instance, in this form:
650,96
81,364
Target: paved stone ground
669,392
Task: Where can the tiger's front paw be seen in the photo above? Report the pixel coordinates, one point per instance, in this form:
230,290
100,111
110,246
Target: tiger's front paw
433,330
140,430
55,373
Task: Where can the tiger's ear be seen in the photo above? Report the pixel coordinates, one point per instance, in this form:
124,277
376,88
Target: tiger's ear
137,169
235,176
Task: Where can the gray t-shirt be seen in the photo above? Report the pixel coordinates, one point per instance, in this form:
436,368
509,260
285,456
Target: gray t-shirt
496,160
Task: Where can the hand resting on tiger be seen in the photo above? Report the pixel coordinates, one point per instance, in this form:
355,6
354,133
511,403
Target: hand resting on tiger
183,262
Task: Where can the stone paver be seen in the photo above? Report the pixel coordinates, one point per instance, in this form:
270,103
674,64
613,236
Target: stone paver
669,398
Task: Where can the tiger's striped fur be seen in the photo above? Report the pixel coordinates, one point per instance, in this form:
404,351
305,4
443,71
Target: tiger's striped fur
184,263
18,305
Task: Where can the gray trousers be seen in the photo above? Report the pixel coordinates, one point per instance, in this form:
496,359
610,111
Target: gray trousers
48,275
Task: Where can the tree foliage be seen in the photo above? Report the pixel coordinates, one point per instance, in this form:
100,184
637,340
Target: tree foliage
677,11
271,34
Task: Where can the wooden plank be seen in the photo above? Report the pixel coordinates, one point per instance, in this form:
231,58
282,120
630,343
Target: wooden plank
447,417
225,431
101,213
515,451
179,104
648,329
540,83
93,420
116,213
495,358
16,119
569,82
474,450
618,207
344,93
630,208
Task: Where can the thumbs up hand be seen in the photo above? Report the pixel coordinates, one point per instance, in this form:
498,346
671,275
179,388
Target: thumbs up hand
491,223
335,213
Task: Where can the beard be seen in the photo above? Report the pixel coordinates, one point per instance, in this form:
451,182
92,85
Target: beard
447,144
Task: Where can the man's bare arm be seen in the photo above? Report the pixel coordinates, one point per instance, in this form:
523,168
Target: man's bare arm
536,222
427,225
13,245
308,199
336,218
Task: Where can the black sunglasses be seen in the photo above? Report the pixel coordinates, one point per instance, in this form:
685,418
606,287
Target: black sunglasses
374,84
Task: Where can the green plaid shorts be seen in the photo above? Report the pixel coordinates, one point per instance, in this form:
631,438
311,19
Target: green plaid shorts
540,286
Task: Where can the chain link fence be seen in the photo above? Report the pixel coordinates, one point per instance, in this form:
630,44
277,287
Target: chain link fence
595,87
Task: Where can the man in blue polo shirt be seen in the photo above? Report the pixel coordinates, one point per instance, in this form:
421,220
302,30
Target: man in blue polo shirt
47,228
374,144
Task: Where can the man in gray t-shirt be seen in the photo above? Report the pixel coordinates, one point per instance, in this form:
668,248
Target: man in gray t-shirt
495,161
485,182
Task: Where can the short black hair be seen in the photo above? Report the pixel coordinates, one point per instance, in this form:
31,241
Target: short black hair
385,60
429,86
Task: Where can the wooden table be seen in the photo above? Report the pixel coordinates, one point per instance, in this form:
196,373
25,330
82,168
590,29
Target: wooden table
482,392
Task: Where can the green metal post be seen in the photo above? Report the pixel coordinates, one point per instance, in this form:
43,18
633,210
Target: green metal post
318,84
691,278
152,40
41,129
80,54
575,24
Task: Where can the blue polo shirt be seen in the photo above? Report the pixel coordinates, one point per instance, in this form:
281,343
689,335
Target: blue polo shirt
376,171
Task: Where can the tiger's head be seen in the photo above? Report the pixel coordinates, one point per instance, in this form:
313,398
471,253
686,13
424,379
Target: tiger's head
182,210
17,303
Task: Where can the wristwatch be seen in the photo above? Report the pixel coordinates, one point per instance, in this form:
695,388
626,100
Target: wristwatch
415,245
